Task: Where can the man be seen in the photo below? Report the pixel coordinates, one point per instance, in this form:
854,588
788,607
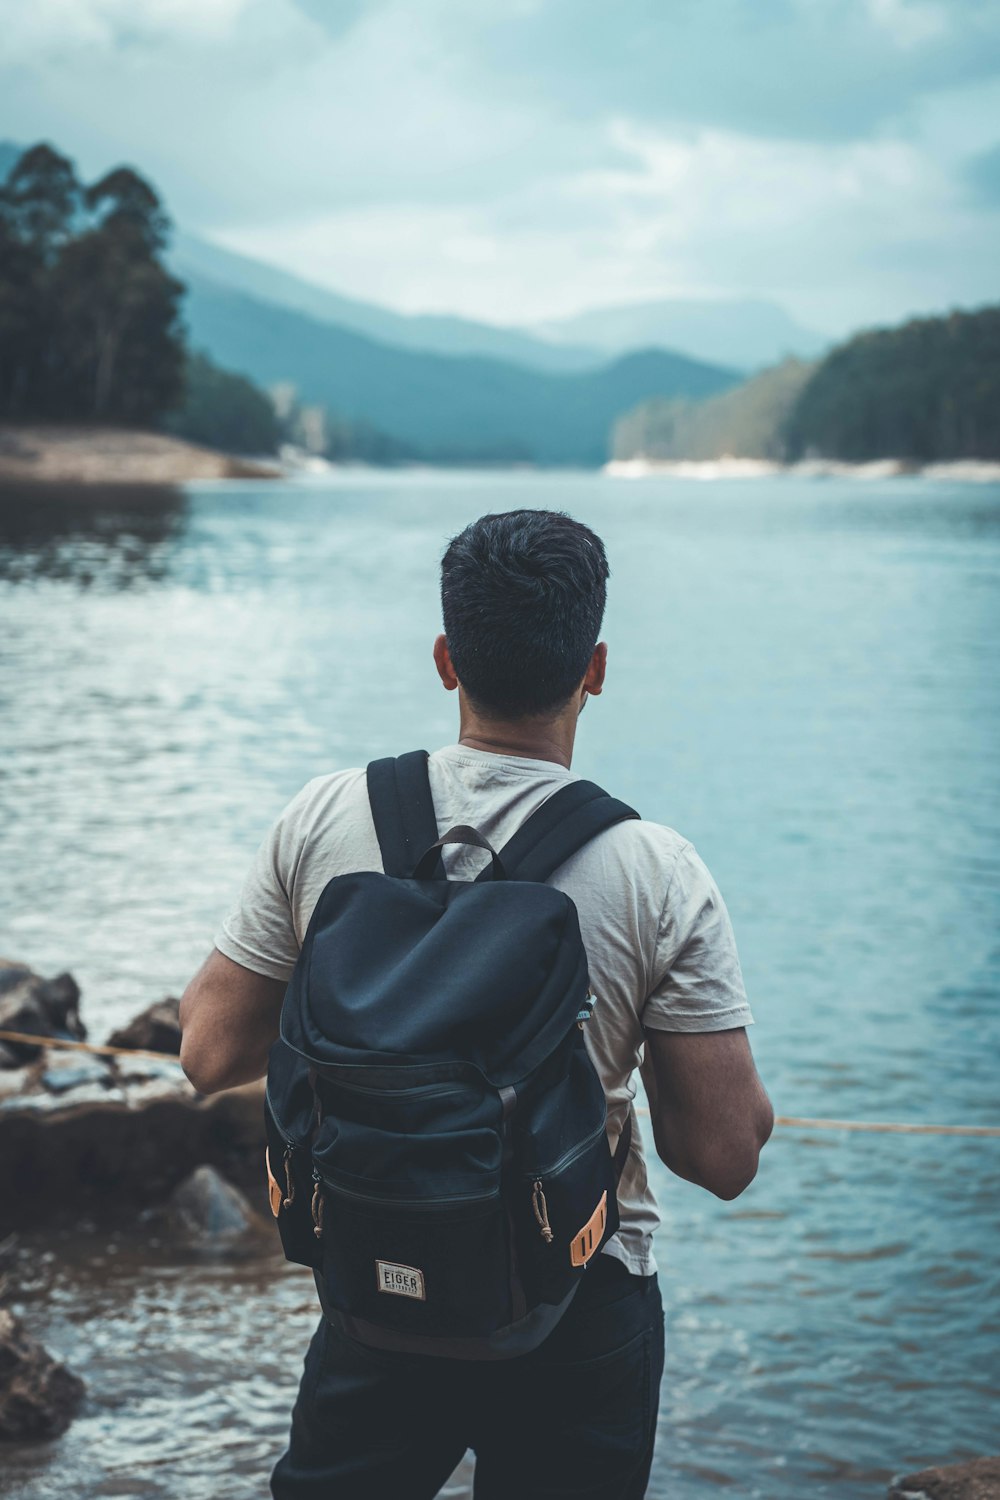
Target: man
523,598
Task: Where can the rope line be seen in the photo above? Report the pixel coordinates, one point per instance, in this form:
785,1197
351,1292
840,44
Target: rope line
102,1050
788,1122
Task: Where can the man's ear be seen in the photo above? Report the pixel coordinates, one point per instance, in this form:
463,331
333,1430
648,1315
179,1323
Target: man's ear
593,683
442,660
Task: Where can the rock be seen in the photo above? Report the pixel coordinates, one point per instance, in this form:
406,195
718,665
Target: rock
977,1480
40,1007
207,1208
111,1153
156,1029
13,1080
110,1140
8,1057
38,1396
64,1071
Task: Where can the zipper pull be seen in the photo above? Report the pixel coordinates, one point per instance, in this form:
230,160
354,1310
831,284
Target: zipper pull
587,1010
289,1198
541,1211
317,1207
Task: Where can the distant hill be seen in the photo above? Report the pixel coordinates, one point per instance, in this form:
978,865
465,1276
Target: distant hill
195,260
746,422
742,334
446,408
927,391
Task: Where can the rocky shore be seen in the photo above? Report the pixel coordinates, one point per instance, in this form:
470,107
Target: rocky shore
103,1138
50,455
98,1141
94,1140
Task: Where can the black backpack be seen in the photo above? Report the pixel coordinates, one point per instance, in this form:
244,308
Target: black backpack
436,1129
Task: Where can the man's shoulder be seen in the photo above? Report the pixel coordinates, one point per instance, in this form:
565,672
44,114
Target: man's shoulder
337,794
642,847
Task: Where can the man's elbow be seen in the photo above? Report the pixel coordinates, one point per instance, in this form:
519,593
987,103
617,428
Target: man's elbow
202,1071
723,1167
207,1065
733,1167
730,1176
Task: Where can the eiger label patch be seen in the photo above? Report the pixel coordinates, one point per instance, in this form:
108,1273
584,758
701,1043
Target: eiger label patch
401,1281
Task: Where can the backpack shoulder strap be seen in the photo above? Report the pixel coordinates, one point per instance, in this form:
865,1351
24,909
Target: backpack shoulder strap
399,793
563,824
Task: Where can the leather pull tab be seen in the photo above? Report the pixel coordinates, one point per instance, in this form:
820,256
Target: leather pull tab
274,1192
590,1236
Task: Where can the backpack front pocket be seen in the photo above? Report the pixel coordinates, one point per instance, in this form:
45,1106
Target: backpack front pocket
437,1267
565,1212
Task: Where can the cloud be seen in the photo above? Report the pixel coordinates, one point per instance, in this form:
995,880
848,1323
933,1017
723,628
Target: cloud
982,172
518,158
54,28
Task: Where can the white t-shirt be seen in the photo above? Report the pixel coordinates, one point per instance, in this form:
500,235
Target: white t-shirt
659,942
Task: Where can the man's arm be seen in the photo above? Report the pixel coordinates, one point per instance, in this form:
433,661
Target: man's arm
229,1019
709,1111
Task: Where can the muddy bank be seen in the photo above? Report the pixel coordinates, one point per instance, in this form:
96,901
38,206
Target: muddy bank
48,455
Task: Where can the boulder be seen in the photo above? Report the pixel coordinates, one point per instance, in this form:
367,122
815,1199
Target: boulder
40,1007
110,1153
62,1072
108,1139
207,1209
977,1480
38,1396
156,1029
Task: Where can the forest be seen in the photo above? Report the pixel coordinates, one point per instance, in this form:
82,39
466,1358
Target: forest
91,321
927,391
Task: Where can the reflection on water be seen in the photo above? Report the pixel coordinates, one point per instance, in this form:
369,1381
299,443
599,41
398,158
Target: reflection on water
113,538
802,679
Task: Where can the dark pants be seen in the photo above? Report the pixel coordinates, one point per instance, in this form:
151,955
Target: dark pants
575,1418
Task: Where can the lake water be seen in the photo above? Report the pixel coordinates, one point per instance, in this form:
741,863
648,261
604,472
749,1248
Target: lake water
803,679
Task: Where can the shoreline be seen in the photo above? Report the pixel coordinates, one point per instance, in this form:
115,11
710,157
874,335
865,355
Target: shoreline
962,471
41,454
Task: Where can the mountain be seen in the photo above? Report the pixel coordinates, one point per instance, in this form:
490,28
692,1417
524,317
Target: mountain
444,407
747,422
743,334
197,260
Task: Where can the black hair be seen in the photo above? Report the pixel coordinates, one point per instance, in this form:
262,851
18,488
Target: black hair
523,597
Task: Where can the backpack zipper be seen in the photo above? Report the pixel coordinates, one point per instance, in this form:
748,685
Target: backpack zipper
539,1206
571,1155
317,1206
420,1090
408,1203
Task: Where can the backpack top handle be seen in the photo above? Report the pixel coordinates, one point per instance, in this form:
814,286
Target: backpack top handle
406,825
462,833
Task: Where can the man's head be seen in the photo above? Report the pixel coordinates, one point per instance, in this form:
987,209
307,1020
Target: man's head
523,597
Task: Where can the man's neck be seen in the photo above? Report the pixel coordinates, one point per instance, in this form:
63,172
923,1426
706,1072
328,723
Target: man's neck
533,739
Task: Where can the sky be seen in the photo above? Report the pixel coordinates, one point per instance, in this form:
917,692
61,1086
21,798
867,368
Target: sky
519,160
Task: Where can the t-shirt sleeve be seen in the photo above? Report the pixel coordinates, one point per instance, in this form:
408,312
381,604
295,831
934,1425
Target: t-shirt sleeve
700,984
259,932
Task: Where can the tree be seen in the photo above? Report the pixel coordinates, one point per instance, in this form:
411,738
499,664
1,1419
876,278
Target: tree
41,201
89,316
40,207
927,391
